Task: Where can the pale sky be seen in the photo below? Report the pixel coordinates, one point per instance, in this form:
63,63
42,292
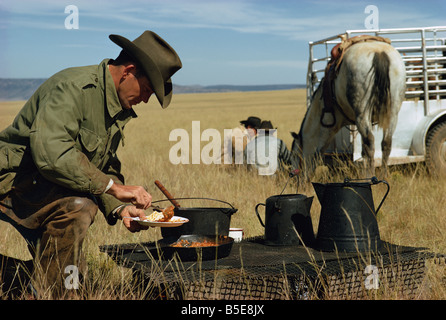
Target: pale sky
240,42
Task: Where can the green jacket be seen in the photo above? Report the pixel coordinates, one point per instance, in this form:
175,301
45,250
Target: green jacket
69,131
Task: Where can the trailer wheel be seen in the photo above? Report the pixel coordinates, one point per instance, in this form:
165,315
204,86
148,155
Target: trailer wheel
436,150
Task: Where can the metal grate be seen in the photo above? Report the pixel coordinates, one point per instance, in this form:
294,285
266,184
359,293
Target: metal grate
256,271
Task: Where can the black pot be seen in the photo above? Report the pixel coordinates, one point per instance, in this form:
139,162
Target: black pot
206,221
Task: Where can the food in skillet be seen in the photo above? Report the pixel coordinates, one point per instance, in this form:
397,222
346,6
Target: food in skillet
191,244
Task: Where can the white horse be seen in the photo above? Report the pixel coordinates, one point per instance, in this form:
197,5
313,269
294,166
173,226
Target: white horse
369,88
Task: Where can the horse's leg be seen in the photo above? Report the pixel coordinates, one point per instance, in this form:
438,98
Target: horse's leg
386,147
386,143
368,144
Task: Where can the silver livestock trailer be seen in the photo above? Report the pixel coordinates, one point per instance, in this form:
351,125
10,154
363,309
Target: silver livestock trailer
420,134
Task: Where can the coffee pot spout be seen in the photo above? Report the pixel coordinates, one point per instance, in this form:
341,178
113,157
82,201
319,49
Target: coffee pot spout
319,188
308,203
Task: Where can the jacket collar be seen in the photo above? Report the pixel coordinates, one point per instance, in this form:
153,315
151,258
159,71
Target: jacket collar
111,96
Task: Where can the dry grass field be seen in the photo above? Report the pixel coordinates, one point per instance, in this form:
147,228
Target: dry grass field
414,213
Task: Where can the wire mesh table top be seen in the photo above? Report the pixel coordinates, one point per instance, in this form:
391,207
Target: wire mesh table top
255,258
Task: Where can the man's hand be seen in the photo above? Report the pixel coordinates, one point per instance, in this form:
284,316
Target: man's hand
132,211
136,195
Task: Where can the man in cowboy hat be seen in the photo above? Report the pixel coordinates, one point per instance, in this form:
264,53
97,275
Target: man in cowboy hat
251,123
235,140
58,161
267,153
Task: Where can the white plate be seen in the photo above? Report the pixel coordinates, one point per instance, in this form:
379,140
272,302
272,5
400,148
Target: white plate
169,224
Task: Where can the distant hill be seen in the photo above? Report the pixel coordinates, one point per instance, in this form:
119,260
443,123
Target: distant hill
18,89
22,89
231,88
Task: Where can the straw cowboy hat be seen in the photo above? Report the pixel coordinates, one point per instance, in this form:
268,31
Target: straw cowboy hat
157,58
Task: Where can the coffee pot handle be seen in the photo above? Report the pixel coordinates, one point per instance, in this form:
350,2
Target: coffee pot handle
258,215
376,181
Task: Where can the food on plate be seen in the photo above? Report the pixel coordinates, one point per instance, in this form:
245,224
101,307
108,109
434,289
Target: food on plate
165,215
168,213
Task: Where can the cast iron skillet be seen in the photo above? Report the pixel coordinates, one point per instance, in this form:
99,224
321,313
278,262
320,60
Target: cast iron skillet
167,249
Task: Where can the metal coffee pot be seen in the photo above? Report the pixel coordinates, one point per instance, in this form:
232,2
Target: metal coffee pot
287,220
348,217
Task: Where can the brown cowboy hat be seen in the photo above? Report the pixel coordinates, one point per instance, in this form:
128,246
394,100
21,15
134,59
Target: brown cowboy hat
157,58
267,125
251,121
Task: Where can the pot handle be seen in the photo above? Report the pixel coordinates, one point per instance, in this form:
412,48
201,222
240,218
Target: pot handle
233,210
167,194
258,215
376,181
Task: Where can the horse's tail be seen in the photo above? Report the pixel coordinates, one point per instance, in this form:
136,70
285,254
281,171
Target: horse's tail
379,99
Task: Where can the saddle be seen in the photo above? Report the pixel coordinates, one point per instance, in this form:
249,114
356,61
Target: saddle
331,72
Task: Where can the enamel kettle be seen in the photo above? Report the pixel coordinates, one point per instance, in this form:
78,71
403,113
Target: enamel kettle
348,218
287,220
